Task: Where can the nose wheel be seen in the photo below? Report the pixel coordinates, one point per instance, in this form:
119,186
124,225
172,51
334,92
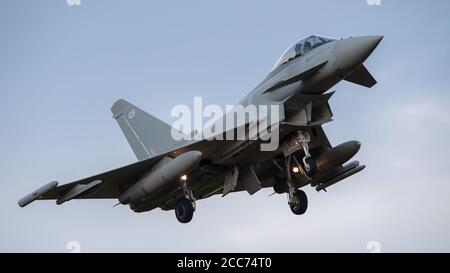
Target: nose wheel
297,199
300,202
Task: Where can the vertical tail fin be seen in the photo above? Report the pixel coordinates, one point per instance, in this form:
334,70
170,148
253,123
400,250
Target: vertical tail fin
146,134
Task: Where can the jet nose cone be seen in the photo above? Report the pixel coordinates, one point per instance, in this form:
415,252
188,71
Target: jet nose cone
352,52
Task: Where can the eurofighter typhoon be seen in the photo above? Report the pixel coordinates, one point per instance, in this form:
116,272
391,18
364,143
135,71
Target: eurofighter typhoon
172,174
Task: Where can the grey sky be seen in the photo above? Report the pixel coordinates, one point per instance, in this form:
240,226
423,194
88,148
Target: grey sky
62,67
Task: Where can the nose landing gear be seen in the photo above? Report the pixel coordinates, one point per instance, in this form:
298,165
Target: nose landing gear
300,204
309,163
310,166
297,199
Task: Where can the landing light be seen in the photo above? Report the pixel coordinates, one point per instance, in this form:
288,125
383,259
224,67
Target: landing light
183,178
295,169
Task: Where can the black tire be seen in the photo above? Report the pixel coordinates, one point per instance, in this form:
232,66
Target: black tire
184,210
302,203
280,185
312,167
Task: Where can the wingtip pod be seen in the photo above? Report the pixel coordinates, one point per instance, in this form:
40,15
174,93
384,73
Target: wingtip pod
37,193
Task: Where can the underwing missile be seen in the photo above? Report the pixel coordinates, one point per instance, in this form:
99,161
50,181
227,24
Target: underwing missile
37,193
77,190
167,170
343,175
337,156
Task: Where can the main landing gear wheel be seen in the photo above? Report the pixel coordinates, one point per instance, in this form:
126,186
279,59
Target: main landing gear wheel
300,202
184,210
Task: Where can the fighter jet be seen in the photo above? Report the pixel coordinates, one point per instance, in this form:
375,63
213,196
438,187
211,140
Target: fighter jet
172,174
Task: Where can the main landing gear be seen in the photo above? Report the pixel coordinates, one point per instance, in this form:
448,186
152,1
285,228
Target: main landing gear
185,206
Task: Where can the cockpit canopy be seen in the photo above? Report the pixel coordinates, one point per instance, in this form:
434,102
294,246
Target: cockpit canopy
301,48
